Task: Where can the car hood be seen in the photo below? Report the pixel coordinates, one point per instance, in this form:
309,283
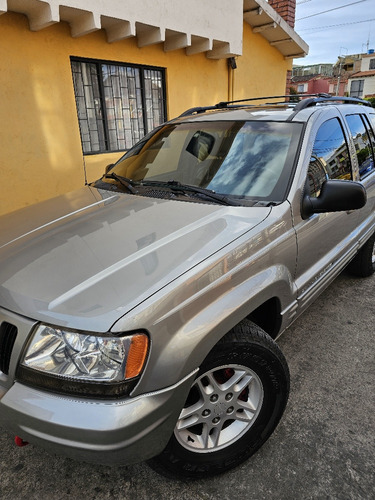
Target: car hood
85,259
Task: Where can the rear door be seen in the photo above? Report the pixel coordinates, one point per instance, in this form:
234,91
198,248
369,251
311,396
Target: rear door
361,128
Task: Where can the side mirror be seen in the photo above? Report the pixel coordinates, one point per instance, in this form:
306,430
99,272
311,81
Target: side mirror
108,167
336,196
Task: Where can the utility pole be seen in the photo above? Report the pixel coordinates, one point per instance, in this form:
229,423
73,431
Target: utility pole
339,77
340,68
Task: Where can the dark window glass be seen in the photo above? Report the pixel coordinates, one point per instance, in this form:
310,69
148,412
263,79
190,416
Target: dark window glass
356,88
330,157
362,143
116,104
372,64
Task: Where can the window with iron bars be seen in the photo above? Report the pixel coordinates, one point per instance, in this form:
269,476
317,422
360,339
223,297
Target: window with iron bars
117,104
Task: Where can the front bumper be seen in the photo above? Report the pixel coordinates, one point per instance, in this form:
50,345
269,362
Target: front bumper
106,432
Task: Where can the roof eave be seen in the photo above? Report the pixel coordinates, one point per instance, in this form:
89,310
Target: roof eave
265,20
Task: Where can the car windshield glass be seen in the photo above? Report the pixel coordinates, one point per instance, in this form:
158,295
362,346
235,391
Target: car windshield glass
243,160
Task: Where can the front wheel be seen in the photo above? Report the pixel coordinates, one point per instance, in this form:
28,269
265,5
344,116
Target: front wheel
232,408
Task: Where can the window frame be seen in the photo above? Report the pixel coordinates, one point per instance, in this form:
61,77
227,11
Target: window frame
142,68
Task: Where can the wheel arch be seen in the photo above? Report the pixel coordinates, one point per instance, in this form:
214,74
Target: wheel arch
181,350
268,316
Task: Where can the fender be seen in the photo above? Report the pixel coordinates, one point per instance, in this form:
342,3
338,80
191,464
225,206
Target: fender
206,321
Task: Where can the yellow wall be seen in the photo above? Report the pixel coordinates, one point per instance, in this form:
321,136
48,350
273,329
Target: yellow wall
261,70
41,155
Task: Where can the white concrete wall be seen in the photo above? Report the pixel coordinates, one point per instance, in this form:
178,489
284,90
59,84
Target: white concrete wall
365,63
369,85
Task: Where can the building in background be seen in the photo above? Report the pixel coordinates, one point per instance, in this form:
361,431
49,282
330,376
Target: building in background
313,69
362,82
352,75
311,84
83,80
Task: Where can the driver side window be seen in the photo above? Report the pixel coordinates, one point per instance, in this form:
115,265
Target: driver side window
330,157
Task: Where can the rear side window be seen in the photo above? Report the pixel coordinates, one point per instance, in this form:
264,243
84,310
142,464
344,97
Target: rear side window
330,156
372,120
363,141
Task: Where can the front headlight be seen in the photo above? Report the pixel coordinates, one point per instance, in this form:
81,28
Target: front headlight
84,363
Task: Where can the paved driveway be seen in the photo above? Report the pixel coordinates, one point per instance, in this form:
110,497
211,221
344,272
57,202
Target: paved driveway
323,447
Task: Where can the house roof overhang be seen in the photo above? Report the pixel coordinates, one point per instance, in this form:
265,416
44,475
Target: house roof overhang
303,79
265,20
362,74
196,26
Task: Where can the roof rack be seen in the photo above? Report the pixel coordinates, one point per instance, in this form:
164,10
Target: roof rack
236,104
321,98
308,100
197,110
289,99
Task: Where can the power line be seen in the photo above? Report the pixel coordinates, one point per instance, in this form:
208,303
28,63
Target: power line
303,1
322,28
330,10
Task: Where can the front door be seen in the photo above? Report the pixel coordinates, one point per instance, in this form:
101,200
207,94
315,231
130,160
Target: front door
325,241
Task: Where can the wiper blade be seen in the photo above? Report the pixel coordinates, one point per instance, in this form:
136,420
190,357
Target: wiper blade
124,181
187,188
266,203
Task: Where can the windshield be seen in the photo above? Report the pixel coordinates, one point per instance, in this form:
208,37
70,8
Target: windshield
243,160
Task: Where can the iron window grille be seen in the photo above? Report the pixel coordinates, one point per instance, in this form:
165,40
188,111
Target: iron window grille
117,104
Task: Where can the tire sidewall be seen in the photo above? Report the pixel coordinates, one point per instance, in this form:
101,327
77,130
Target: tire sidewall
275,382
362,265
368,266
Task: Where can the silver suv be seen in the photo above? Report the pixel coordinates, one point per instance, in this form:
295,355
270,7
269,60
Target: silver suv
138,314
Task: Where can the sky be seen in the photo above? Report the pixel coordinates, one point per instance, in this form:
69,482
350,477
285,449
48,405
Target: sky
344,30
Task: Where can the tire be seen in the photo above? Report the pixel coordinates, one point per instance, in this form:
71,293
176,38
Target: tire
363,264
234,405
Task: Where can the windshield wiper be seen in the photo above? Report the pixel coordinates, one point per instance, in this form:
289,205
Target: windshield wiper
124,181
266,203
176,186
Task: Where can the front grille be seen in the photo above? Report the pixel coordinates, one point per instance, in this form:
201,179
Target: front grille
8,334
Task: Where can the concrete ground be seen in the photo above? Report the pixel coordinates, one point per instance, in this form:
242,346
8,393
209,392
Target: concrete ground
324,447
